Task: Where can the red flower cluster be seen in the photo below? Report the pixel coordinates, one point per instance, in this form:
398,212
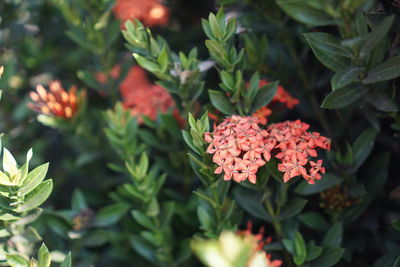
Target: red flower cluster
58,102
261,242
282,96
294,145
149,12
114,74
240,147
143,98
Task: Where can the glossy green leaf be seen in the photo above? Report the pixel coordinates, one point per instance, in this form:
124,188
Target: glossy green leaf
110,214
376,35
251,202
220,102
333,238
388,70
327,181
345,77
328,49
264,95
292,208
329,257
300,249
363,145
302,12
344,96
314,220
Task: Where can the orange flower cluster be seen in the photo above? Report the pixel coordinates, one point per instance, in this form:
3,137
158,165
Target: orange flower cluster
294,145
282,96
239,147
149,12
143,98
261,242
58,102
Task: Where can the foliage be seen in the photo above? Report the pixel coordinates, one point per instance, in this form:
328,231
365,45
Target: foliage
184,121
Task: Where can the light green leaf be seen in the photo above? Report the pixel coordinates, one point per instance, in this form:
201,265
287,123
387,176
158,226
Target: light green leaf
44,256
37,196
67,261
34,178
17,260
9,163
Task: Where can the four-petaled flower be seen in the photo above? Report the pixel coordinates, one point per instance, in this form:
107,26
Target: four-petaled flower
240,147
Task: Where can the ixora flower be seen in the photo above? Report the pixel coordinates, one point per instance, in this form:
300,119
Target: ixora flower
149,12
239,147
282,96
336,199
143,98
232,249
57,101
259,257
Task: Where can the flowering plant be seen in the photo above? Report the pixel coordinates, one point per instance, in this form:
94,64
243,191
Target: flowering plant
218,133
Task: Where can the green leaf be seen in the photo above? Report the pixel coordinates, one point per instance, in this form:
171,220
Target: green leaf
216,50
388,70
221,102
163,59
292,208
110,214
205,219
78,202
314,220
44,256
37,196
327,181
251,202
333,238
313,251
363,145
301,11
328,50
344,96
146,63
9,163
376,35
17,260
329,257
300,249
345,77
142,219
264,95
67,261
34,178
381,100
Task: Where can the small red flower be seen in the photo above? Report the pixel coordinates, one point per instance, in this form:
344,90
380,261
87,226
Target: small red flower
143,98
149,12
261,242
55,102
281,96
